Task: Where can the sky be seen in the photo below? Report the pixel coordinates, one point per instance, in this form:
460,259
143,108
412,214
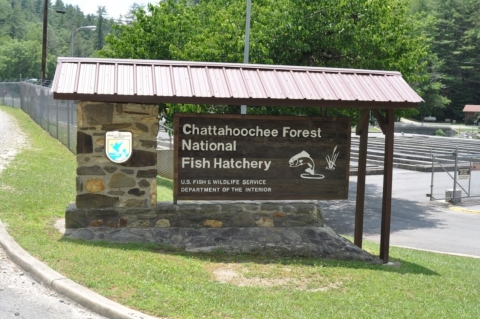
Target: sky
114,8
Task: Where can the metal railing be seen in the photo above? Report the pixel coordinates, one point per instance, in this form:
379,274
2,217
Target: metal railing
455,177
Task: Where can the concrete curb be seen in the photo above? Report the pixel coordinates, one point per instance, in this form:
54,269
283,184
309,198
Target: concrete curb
59,283
438,252
464,210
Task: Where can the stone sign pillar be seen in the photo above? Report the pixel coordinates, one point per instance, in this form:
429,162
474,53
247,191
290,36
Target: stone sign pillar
103,184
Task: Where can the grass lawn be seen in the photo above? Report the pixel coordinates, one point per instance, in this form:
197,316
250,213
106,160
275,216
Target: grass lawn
40,182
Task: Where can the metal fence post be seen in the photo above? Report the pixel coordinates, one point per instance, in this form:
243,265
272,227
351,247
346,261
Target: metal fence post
68,124
48,116
455,175
57,118
469,177
41,110
433,173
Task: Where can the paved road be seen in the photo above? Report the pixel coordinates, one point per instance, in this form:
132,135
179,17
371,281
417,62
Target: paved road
417,222
20,295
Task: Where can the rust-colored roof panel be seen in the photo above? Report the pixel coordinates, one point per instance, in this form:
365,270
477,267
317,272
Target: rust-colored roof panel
289,85
163,81
357,89
322,86
200,82
181,79
218,82
144,80
150,81
386,88
471,108
106,78
124,80
272,87
254,84
371,89
236,83
338,83
67,75
86,80
307,86
399,85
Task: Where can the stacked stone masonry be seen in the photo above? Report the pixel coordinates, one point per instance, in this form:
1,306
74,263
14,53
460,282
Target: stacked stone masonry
295,229
102,183
200,215
312,242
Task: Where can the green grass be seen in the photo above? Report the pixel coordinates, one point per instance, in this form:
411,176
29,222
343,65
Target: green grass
371,129
466,128
40,182
164,189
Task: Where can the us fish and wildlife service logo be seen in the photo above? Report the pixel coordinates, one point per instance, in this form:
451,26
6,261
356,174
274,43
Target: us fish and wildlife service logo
118,146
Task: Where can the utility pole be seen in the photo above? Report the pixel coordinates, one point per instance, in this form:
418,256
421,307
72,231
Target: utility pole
243,108
44,41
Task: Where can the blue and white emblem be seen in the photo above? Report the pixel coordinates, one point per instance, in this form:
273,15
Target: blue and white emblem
118,146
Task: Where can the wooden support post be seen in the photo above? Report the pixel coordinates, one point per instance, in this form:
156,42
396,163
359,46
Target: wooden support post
387,187
362,130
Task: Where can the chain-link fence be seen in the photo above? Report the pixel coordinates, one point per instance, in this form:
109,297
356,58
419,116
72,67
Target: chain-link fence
455,177
10,94
59,118
165,163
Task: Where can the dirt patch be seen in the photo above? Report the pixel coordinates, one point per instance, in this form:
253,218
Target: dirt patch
60,225
238,275
12,141
7,188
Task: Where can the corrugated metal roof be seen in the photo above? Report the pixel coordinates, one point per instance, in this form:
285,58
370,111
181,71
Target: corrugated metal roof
471,108
151,81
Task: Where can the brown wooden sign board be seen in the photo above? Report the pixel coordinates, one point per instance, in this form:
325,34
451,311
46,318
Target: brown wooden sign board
245,157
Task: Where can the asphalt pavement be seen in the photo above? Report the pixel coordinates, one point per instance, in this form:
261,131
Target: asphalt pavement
21,296
416,221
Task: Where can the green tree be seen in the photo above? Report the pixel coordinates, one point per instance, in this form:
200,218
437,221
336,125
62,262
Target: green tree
5,13
100,13
14,21
38,8
370,34
22,20
130,15
23,57
457,43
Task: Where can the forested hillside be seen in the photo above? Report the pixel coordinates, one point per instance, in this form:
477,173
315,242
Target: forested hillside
455,34
434,43
21,34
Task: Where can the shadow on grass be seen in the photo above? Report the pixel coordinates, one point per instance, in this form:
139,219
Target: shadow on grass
400,266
